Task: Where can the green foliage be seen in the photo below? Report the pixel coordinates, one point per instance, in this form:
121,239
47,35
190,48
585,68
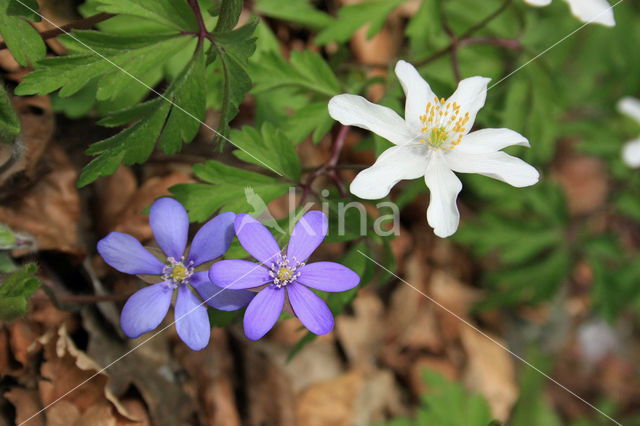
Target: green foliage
354,16
447,404
22,39
306,70
118,66
15,291
227,189
168,123
298,11
9,123
270,149
533,254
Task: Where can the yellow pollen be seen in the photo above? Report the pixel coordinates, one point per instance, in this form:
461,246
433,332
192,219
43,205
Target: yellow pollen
178,273
284,274
440,129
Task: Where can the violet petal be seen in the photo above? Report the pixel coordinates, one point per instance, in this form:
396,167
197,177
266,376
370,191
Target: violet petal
328,276
256,239
219,297
192,321
170,225
236,274
312,311
307,235
263,312
126,254
145,309
213,239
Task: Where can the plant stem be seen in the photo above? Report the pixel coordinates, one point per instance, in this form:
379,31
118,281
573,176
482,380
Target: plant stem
82,24
329,169
488,19
464,39
202,29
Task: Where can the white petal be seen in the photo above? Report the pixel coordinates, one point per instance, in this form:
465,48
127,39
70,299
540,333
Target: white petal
596,11
352,110
470,95
631,153
538,2
498,165
630,107
490,140
417,91
444,186
395,164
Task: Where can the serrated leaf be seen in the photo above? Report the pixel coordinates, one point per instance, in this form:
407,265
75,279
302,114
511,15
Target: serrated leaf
306,70
228,189
126,58
170,13
15,291
27,9
180,119
270,149
298,11
234,49
228,15
354,16
313,117
22,39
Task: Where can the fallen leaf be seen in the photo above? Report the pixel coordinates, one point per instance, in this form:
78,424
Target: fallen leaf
332,402
50,209
490,371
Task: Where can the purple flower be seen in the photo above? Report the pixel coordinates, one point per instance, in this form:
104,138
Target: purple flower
146,308
282,277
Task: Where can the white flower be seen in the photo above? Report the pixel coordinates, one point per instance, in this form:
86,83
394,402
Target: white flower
592,11
631,151
433,141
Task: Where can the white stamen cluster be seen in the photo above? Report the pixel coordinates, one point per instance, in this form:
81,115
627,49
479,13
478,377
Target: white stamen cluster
176,272
284,271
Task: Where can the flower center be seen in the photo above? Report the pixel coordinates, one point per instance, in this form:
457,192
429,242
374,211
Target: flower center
284,271
177,272
442,125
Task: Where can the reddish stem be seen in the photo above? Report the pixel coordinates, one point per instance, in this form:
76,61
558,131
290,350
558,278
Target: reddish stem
329,169
202,29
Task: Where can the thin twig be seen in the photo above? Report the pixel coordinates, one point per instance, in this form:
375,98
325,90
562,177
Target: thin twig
82,24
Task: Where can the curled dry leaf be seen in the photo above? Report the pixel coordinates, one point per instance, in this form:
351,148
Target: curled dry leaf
50,209
64,368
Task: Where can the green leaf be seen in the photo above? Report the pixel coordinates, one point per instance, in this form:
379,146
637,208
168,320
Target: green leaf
229,14
298,11
270,149
233,49
9,122
306,70
448,404
170,13
126,58
15,292
227,189
22,39
27,9
313,117
174,123
353,17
